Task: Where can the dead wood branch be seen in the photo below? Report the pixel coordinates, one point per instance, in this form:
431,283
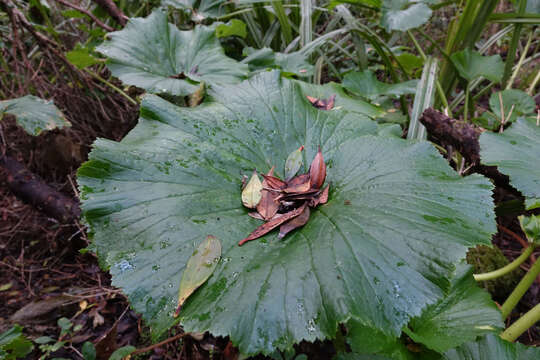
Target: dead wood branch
463,137
31,189
88,13
113,10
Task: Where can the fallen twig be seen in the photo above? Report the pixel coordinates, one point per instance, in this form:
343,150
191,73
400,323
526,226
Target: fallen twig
113,10
88,13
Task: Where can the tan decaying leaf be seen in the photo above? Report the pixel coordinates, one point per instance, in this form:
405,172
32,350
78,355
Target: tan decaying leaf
256,215
197,97
294,223
199,268
293,163
317,170
251,195
272,224
298,184
268,206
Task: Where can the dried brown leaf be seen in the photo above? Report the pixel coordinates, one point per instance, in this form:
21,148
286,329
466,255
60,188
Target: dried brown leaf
256,215
294,223
322,104
272,224
268,206
274,182
317,170
320,198
298,184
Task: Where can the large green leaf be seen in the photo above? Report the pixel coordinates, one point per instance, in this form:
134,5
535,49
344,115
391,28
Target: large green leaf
403,15
464,314
516,153
154,55
472,65
366,84
34,114
492,347
397,220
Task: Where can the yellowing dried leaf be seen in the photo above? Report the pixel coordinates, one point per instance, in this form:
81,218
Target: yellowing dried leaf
199,268
251,195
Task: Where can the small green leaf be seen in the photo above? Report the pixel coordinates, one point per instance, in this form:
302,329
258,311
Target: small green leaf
199,268
122,352
43,340
403,15
293,163
13,344
251,195
81,57
365,84
34,114
514,103
531,227
472,65
410,62
89,351
234,27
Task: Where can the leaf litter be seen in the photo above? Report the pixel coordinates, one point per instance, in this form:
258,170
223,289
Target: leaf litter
286,203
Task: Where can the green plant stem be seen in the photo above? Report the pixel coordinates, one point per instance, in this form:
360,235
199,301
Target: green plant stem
520,289
513,46
520,62
506,269
440,91
522,324
467,95
533,84
115,88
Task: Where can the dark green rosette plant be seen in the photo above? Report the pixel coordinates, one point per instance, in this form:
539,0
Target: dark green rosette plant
380,251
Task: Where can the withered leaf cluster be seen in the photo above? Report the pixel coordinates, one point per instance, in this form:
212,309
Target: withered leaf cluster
285,203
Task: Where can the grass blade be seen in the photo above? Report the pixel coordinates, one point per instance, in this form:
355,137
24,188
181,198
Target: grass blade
423,99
